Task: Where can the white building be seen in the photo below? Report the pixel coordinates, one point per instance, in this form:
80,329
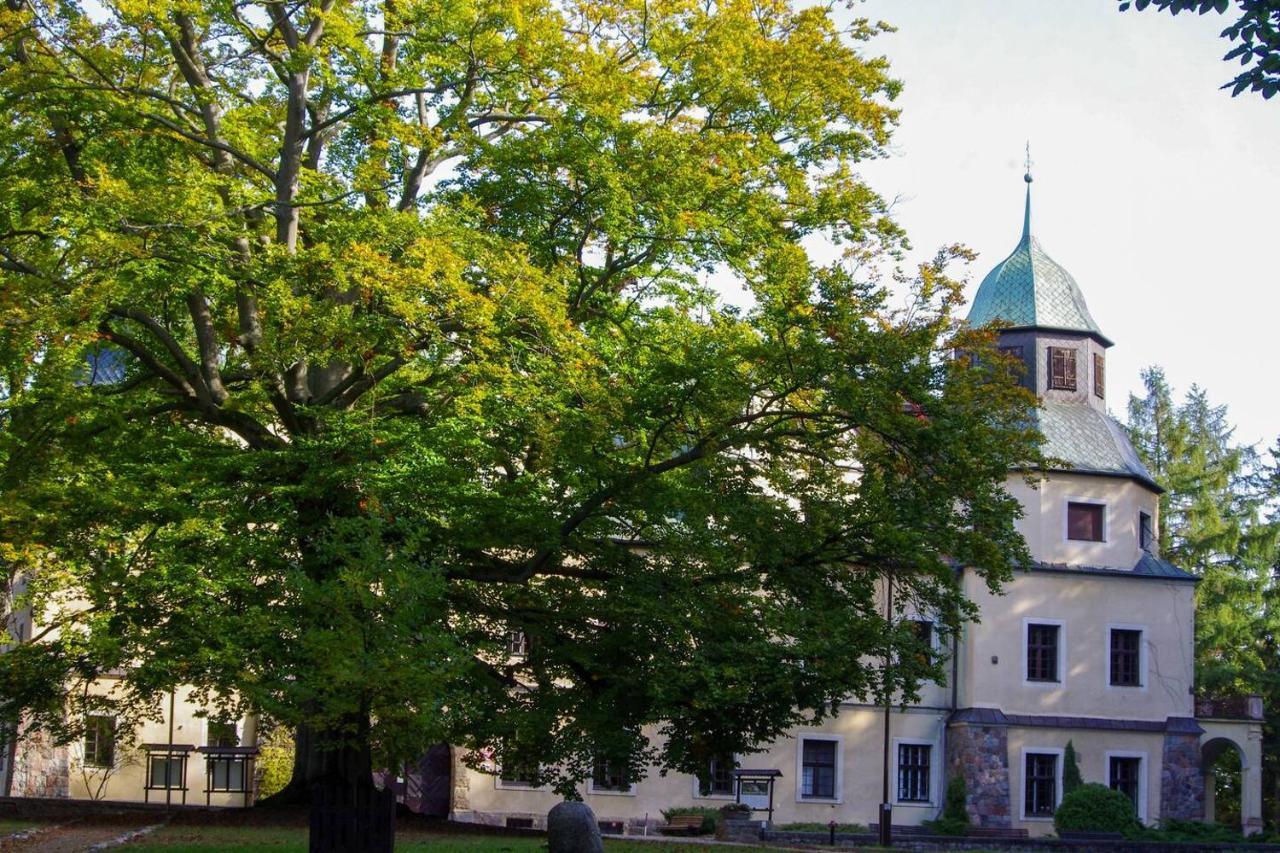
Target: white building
1092,644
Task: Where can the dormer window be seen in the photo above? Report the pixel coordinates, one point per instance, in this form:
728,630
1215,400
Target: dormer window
1085,521
1099,375
1062,369
1146,534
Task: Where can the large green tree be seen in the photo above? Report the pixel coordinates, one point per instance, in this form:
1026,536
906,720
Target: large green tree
1218,521
351,338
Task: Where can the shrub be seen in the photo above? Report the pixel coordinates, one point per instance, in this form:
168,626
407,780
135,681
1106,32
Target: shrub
709,816
1071,779
275,762
1095,808
1194,831
955,810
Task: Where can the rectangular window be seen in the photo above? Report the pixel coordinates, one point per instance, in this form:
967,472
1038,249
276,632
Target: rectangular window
228,774
1126,777
1042,652
1014,351
166,772
718,780
99,740
517,644
1145,531
1126,657
521,776
1041,782
818,770
1084,521
1062,369
913,773
1099,376
223,733
608,775
923,630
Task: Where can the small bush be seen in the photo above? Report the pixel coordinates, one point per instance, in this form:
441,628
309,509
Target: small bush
709,816
955,810
1095,808
1071,779
275,762
808,826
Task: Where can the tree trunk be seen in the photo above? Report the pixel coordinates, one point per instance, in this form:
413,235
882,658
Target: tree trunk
333,776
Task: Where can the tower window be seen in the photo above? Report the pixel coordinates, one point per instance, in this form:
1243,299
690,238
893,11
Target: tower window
1062,368
1126,657
1099,375
1042,652
1085,522
1145,533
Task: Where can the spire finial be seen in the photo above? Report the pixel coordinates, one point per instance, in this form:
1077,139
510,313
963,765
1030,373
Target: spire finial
1026,219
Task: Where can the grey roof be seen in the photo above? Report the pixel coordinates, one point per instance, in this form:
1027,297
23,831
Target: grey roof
1029,289
1148,566
1083,439
996,717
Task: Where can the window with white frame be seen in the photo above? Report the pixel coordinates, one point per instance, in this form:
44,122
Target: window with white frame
1124,774
1086,521
517,644
1040,784
717,780
610,777
818,768
1125,653
1043,651
913,772
99,740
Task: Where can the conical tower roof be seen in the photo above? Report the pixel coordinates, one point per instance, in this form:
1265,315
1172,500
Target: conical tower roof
1030,290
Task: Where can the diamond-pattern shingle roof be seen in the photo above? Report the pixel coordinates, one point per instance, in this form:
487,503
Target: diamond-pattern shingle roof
1029,289
1081,438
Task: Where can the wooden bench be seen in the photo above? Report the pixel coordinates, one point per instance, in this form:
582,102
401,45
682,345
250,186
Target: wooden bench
682,824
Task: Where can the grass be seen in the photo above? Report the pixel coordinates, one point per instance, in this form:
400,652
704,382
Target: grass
214,839
9,827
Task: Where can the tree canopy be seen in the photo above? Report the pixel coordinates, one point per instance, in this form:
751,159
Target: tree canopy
1255,34
1220,519
343,340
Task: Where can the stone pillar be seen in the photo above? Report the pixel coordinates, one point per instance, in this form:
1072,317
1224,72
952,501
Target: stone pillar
461,797
1181,780
980,755
1210,797
40,767
1251,783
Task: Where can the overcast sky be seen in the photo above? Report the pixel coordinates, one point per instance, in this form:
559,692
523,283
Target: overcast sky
1157,191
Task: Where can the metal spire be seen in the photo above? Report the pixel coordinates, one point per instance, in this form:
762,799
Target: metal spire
1026,219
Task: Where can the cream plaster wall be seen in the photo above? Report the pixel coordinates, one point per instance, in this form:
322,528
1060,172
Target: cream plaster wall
1092,748
992,653
859,734
1044,523
126,783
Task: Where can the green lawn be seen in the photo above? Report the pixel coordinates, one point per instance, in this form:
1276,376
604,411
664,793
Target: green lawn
213,839
9,827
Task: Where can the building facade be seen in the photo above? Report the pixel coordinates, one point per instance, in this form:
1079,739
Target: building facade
1092,644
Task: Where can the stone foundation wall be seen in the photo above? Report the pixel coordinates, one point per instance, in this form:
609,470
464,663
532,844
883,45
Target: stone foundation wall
41,768
980,754
1181,780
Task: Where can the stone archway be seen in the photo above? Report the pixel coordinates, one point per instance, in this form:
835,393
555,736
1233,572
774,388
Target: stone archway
1223,763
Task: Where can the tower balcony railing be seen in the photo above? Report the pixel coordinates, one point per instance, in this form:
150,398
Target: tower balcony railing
1229,707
